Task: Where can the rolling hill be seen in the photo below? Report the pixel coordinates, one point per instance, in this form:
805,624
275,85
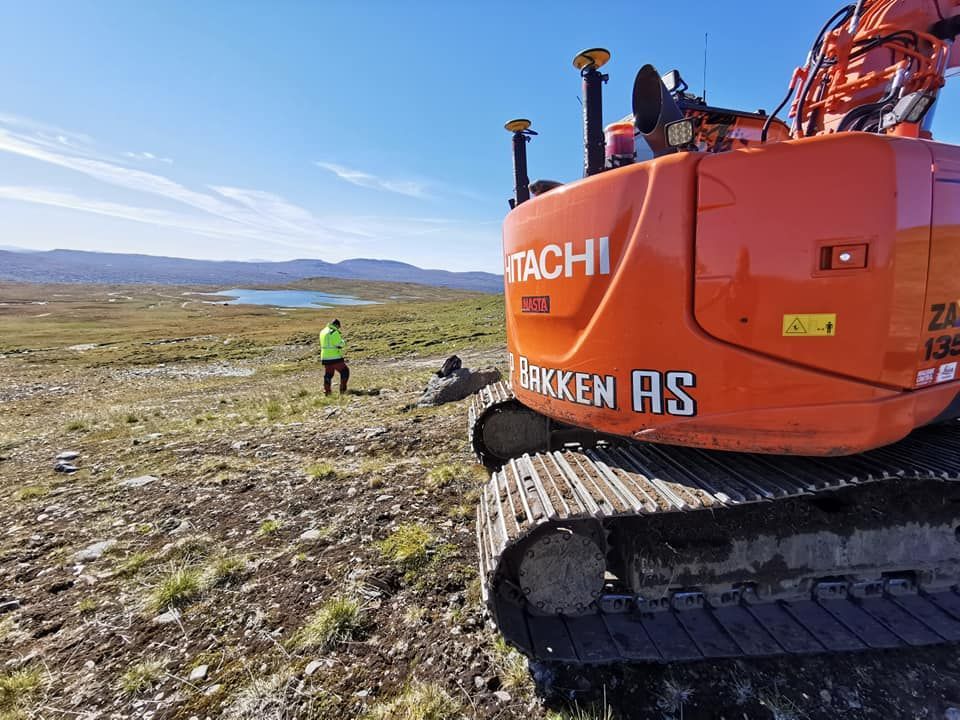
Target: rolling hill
76,266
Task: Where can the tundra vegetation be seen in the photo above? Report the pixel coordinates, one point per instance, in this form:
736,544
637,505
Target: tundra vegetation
230,543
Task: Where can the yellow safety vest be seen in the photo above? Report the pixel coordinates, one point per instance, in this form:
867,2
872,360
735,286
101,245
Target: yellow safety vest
331,344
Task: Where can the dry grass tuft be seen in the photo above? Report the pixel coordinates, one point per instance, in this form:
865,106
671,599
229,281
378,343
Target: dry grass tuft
321,471
29,492
177,587
18,690
133,563
419,701
268,527
76,424
597,712
407,547
224,570
442,476
511,666
142,676
337,621
673,696
273,409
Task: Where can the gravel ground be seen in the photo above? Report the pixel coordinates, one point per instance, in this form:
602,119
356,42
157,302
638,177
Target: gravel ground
218,509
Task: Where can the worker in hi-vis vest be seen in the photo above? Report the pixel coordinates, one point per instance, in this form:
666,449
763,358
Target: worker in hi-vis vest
331,355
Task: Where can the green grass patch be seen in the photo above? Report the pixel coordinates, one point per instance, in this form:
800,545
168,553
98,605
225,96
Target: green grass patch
413,320
337,621
30,492
189,550
87,605
511,666
445,475
442,476
467,507
76,424
321,471
225,570
18,690
273,409
419,701
601,711
407,547
142,676
132,564
175,588
268,527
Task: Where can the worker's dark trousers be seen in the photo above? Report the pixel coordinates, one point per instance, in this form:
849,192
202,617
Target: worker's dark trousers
329,368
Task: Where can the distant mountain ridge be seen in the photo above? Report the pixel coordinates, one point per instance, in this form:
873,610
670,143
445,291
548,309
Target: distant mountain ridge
79,266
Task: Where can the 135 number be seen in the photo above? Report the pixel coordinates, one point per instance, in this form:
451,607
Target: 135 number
938,348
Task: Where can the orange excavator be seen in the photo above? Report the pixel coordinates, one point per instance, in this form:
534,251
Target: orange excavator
731,428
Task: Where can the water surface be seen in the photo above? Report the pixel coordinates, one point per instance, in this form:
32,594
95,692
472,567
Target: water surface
288,298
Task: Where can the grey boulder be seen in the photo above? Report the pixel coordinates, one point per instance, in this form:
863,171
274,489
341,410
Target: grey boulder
459,384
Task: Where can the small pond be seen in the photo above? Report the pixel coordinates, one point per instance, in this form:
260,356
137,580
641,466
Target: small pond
288,298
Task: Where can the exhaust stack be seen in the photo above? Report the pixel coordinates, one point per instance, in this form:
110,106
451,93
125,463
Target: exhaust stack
589,63
521,136
653,108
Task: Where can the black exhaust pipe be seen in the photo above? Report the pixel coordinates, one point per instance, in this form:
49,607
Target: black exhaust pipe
521,136
653,108
589,63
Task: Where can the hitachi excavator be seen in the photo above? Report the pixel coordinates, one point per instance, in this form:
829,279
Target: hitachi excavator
730,423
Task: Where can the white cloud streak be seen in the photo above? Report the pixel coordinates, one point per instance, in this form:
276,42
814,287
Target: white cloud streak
199,225
410,188
147,156
217,211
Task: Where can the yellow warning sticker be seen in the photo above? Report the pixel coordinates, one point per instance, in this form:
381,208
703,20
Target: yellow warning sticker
819,325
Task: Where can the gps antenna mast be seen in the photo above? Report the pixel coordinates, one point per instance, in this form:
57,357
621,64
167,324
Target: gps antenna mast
520,129
706,37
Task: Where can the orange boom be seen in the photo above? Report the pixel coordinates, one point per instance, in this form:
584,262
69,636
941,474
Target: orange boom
787,291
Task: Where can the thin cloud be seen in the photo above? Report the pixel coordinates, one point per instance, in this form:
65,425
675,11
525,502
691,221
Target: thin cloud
147,156
43,130
199,225
216,211
410,188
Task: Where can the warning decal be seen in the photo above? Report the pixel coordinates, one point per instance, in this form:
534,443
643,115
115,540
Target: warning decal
802,325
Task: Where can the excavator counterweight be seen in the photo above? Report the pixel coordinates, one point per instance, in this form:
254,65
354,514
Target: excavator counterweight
730,427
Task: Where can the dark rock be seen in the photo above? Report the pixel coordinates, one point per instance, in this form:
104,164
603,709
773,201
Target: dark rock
450,365
9,606
64,467
60,586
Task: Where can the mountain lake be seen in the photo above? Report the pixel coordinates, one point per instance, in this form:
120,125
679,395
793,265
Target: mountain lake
288,298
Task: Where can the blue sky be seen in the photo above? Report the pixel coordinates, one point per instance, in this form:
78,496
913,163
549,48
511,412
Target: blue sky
307,129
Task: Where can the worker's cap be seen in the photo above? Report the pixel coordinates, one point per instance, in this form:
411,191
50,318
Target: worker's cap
336,323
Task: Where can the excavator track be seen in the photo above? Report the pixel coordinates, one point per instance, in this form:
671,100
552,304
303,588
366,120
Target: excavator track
636,552
501,428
